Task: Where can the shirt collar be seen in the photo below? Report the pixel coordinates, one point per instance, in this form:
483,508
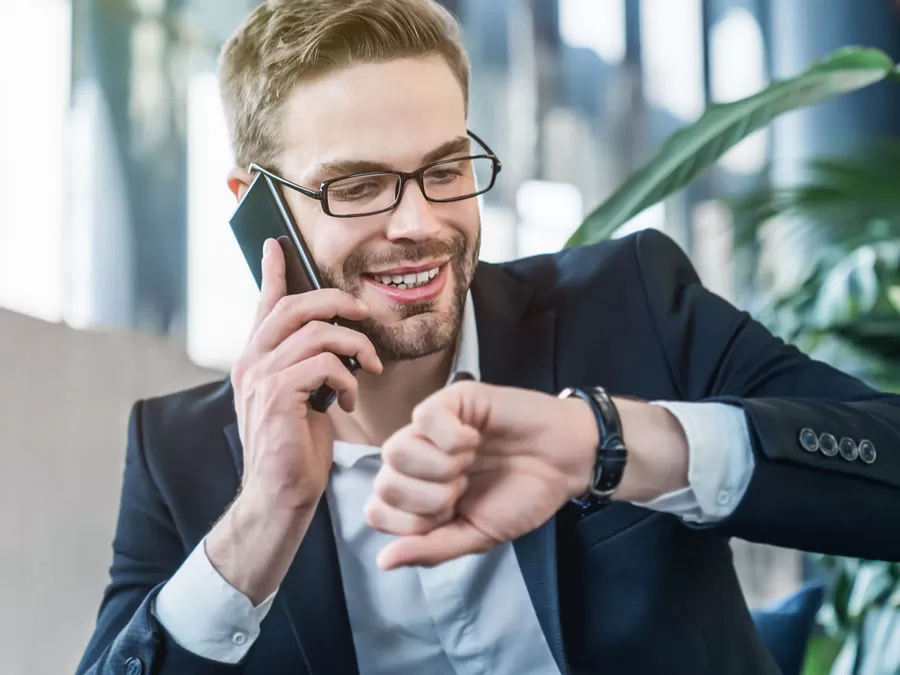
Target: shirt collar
466,358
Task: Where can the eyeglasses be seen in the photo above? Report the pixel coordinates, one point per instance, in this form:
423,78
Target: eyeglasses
370,193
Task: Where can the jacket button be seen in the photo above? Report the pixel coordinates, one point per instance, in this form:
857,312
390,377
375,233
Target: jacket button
867,452
808,440
848,449
828,445
134,666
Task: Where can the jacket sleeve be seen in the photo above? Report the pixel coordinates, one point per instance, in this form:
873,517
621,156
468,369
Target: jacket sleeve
800,495
146,552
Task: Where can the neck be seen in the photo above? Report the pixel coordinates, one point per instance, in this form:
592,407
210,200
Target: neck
386,401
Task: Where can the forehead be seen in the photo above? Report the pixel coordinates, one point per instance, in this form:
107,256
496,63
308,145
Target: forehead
393,112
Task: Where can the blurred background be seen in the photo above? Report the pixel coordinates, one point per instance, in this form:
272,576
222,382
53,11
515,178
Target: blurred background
119,278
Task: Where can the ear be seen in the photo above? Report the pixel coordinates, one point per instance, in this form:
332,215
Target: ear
239,182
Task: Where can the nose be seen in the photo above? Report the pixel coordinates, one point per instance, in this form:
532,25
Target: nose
414,217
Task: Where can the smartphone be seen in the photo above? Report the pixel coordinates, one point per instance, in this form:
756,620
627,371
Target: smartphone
263,214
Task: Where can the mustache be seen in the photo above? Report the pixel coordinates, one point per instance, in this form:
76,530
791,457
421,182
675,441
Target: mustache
360,261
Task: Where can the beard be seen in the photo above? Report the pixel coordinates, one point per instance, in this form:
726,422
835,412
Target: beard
420,328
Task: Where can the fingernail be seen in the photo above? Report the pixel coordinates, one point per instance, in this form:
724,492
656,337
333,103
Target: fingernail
267,248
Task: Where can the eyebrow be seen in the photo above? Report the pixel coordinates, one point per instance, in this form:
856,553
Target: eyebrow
345,167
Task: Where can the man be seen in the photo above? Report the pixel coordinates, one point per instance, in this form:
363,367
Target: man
488,526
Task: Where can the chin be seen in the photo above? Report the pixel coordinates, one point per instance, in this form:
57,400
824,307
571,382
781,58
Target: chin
413,337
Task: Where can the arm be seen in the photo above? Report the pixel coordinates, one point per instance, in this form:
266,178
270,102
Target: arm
146,552
795,498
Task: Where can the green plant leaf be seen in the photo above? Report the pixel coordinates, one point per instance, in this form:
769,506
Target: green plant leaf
880,639
820,655
845,663
871,586
692,150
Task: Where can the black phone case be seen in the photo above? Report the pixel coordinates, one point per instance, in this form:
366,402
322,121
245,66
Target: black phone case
262,214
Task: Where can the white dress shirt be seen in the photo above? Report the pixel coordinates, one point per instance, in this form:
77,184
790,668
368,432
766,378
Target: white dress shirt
467,616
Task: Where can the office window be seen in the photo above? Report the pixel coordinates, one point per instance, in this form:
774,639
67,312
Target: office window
34,84
222,295
672,53
738,69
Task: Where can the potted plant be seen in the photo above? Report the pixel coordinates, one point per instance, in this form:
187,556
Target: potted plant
842,304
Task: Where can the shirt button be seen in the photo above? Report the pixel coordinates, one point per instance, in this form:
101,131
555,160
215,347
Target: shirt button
723,498
134,666
239,638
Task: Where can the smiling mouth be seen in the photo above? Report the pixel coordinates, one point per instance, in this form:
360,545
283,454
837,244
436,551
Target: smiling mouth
407,280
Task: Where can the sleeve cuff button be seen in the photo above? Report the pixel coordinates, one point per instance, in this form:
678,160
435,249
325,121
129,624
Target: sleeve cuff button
848,449
867,452
239,638
828,445
808,440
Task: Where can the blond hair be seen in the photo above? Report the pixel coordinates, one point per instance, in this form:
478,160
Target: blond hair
285,41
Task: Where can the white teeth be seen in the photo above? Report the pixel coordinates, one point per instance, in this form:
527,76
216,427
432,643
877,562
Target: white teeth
404,281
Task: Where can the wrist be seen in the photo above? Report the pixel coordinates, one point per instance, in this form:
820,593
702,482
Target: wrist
580,469
252,545
657,452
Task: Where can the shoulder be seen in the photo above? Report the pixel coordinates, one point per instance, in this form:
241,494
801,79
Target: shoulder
169,425
629,264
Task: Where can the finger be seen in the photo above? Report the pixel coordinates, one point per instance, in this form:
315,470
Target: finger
453,540
423,498
323,369
385,518
317,337
438,419
411,455
274,281
292,312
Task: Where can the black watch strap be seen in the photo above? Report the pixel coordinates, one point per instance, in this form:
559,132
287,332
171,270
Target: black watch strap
611,456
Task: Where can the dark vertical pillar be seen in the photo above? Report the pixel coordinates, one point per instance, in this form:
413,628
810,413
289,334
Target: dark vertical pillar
547,43
131,63
803,31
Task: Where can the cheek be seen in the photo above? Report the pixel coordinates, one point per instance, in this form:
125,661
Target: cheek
327,239
465,218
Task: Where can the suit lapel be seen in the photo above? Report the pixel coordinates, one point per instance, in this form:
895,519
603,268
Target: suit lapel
516,348
311,594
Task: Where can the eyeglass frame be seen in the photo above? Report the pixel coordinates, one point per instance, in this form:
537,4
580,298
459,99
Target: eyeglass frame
417,175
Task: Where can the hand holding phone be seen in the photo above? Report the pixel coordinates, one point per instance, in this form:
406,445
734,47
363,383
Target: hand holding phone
262,215
287,449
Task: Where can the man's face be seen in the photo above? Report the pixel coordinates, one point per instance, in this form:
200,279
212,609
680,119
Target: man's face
398,115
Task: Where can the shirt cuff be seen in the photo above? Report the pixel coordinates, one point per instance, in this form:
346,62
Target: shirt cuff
720,463
207,616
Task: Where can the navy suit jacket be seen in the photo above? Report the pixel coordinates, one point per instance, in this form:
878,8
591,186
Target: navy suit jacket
617,589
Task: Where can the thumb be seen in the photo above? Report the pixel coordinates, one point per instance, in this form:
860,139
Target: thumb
274,282
453,540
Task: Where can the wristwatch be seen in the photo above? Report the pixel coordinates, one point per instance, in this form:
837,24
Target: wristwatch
611,455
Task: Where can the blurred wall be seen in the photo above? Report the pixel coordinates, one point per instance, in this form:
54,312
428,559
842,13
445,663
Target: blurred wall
65,396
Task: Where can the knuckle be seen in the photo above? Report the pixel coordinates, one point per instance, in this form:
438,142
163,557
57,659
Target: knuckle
381,490
243,377
313,331
283,306
390,452
373,514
